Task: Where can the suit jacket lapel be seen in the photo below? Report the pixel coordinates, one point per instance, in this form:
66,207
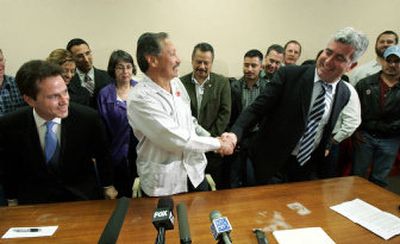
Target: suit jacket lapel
32,141
191,90
208,89
306,90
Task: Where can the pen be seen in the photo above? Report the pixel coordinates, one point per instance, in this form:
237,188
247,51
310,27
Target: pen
27,230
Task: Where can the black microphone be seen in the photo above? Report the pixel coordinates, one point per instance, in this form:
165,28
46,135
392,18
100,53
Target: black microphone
163,218
111,231
184,231
220,227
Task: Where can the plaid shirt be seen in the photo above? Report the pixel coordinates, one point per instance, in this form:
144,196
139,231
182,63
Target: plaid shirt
249,95
10,98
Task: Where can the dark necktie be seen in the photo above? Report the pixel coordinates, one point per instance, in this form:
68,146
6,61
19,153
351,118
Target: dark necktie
307,140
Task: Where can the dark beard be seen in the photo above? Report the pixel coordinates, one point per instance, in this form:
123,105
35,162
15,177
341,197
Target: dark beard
379,53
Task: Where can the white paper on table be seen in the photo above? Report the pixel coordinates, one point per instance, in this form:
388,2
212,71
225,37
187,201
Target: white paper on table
17,232
311,235
381,223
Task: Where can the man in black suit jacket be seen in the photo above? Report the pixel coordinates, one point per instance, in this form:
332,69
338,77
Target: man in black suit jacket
282,111
79,90
29,177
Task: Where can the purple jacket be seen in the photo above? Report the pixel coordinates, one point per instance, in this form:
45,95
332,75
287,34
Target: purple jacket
113,113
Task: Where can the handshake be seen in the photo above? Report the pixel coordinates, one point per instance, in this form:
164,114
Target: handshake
228,142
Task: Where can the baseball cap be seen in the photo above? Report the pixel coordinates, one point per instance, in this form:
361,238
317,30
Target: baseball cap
393,50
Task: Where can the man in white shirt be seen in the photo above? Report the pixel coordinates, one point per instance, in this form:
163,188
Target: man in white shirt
383,41
171,156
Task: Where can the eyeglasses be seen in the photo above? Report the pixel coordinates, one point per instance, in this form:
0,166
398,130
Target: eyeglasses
122,67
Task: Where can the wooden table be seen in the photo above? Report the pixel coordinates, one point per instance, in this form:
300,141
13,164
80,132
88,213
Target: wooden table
246,208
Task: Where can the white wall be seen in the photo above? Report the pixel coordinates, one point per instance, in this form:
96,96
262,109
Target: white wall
30,29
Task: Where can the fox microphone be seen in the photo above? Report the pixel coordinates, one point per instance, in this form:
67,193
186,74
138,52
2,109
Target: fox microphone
184,231
163,218
220,227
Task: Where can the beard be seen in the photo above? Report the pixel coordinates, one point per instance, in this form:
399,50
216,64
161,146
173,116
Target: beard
379,53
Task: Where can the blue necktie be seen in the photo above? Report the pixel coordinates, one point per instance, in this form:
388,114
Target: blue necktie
50,141
307,140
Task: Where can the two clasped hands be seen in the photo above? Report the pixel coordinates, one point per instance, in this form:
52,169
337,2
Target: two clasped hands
228,142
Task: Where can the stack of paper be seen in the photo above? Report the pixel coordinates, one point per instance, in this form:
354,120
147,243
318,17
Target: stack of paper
312,235
382,223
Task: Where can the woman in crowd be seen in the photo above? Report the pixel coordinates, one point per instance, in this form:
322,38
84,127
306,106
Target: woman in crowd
112,109
63,58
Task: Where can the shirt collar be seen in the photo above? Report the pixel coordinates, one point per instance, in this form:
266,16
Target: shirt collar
40,121
197,83
333,84
82,75
256,85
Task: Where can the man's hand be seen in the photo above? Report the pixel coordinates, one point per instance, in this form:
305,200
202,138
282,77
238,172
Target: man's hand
228,144
230,137
226,147
110,192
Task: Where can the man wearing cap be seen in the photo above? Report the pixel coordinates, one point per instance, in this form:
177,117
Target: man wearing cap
377,139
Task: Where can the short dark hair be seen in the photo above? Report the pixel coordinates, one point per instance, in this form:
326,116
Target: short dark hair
254,53
203,47
275,47
389,32
31,73
76,42
148,44
293,41
116,57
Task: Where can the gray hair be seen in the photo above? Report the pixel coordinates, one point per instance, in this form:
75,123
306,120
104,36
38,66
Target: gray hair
356,39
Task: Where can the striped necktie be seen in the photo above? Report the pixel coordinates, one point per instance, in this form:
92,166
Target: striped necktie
307,140
89,84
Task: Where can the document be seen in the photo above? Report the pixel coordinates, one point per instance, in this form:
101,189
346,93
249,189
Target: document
18,232
381,223
312,235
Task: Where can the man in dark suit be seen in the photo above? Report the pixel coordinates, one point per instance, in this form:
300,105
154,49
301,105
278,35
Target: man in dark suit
88,80
297,112
47,148
210,96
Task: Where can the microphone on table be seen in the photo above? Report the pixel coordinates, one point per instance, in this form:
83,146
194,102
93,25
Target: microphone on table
163,218
220,227
111,230
260,235
184,231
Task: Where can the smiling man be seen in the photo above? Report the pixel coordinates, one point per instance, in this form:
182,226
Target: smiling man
210,100
170,155
297,112
46,156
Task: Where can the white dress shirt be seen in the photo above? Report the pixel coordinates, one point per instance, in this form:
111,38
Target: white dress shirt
41,128
169,150
329,100
349,118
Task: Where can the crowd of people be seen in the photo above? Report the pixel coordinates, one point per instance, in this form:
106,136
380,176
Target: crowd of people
70,131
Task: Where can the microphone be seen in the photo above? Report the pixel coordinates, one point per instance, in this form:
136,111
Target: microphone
184,231
220,227
163,218
260,235
114,224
